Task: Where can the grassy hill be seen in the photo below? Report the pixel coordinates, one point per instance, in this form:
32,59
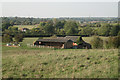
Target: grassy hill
31,62
62,63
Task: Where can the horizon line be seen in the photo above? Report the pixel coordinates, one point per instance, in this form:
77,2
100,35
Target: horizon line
65,17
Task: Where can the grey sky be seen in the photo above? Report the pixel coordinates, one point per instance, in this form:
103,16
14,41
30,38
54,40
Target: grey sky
60,9
60,0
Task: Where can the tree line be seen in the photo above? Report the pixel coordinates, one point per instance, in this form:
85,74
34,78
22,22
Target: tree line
60,26
33,21
112,42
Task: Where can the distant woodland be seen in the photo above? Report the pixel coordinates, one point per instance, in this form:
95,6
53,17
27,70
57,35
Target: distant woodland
84,26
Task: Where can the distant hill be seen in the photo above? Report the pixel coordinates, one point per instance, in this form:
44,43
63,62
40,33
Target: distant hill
33,21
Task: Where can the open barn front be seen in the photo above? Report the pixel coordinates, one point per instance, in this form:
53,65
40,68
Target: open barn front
51,44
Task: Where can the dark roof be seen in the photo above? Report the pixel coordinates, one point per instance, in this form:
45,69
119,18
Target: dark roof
73,38
60,39
54,40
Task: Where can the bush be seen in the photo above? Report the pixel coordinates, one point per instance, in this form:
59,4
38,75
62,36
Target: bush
104,30
7,38
113,42
97,42
86,31
54,36
18,37
118,33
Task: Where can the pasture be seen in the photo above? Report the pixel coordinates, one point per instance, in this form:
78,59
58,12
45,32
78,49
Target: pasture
88,39
25,26
27,62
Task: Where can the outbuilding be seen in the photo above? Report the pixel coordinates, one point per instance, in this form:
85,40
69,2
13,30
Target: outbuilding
56,43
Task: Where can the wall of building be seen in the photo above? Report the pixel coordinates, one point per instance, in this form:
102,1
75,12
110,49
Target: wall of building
51,44
68,45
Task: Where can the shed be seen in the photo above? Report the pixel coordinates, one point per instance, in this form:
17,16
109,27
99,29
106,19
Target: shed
56,43
82,44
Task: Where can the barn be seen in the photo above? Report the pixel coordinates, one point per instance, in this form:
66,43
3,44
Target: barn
56,43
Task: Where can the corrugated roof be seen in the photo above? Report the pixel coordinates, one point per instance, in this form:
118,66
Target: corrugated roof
54,40
60,39
73,38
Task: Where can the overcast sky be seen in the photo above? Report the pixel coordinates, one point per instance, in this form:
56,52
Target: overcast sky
59,0
60,9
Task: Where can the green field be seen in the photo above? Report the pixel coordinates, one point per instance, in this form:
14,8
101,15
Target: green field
25,26
88,39
30,62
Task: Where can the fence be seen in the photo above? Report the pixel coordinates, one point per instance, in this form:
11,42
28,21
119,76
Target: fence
39,46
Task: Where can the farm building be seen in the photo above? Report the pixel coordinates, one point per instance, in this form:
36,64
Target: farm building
82,44
63,42
56,43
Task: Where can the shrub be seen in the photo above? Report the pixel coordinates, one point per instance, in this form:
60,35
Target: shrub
106,44
7,38
18,37
54,36
118,33
97,42
104,30
113,42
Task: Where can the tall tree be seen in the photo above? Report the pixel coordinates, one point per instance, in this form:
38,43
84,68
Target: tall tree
71,28
7,38
19,37
5,25
49,28
86,31
104,30
114,30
